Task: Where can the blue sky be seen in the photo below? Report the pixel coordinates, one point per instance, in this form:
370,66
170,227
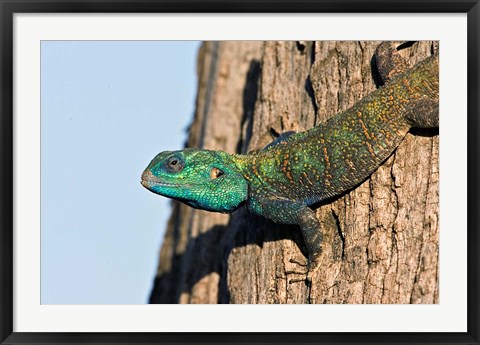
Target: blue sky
108,107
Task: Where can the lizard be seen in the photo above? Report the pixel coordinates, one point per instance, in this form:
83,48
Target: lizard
283,180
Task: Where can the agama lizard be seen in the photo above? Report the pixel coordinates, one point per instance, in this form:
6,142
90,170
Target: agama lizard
298,170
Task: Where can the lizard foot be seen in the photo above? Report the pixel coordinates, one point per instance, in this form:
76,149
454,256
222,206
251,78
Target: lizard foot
310,266
389,62
303,272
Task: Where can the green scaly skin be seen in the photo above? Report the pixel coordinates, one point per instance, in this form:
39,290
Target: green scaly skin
294,172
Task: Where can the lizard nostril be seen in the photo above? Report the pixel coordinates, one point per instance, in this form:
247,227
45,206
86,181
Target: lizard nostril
147,175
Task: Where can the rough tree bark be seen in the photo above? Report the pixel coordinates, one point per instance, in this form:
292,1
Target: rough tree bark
380,239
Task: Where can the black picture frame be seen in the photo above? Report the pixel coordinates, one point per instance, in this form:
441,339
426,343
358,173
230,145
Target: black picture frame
9,7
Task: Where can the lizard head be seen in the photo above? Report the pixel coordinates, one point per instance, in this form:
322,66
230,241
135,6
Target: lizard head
204,179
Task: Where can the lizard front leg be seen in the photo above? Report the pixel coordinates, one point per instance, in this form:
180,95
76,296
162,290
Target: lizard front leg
287,211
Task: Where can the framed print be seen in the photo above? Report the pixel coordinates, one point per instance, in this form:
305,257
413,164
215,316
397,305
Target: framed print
316,197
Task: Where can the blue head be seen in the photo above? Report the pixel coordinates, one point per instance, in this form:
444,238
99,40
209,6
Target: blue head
204,179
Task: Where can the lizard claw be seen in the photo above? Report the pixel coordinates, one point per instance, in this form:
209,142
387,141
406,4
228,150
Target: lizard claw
305,280
293,261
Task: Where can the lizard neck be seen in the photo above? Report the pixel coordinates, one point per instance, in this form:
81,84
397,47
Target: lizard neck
241,161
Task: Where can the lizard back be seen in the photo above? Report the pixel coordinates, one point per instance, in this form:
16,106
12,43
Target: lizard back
342,152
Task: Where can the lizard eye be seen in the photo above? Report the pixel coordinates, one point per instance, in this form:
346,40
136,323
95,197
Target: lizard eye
215,173
174,164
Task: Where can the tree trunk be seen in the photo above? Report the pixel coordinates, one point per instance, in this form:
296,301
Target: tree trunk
380,239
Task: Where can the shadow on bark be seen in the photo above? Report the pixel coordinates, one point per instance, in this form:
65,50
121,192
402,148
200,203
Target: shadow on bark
248,230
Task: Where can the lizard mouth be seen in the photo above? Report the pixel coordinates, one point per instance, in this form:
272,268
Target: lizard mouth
148,180
151,183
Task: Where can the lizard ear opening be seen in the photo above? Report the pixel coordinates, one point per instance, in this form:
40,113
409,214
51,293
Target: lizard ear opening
215,173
